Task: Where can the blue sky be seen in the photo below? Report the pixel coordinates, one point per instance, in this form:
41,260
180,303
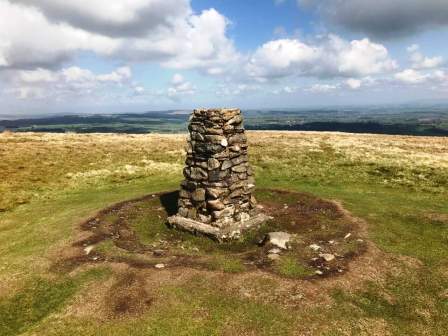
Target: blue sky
139,55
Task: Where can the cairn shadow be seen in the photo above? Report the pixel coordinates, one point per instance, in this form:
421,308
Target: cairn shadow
169,202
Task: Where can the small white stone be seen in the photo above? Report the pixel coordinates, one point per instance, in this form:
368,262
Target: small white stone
224,142
88,249
279,239
275,250
331,242
319,272
347,235
245,216
159,266
327,256
314,247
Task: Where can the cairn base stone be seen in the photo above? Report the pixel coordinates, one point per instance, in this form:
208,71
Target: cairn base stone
232,231
216,197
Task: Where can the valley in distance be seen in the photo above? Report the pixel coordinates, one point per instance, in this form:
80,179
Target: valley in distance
408,119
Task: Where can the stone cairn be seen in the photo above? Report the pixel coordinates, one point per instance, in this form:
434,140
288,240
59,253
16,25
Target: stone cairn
216,196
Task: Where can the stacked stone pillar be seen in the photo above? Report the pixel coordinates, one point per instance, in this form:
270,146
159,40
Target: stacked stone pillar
216,196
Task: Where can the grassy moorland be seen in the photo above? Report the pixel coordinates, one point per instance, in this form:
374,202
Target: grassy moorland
396,185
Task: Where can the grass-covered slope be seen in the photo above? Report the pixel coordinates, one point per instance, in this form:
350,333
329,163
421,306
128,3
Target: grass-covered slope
50,183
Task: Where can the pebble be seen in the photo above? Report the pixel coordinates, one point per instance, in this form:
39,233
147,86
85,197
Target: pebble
347,235
314,247
275,250
319,272
327,256
279,239
159,266
88,249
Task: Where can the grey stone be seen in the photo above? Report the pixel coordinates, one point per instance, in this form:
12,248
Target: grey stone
214,192
314,247
239,159
192,212
279,239
198,195
201,164
226,212
226,165
189,185
213,163
238,185
242,168
205,218
235,148
197,136
196,128
236,193
327,256
244,216
184,194
214,175
216,204
183,212
237,139
235,120
197,173
214,131
214,138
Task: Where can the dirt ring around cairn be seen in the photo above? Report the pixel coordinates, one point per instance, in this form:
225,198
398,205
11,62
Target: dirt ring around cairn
325,238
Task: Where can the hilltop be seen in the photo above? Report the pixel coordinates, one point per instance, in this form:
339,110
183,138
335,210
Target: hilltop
393,187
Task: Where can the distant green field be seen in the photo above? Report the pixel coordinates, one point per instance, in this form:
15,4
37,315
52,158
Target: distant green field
429,120
50,183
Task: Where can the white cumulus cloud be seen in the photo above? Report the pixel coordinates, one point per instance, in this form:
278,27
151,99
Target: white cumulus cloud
410,76
47,33
329,57
420,61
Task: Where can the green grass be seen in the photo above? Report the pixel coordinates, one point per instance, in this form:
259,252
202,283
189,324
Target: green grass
39,298
290,267
407,314
195,308
226,264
